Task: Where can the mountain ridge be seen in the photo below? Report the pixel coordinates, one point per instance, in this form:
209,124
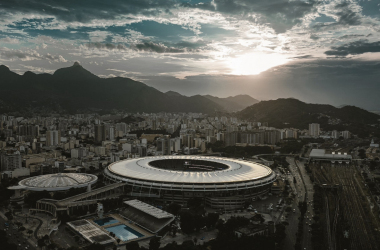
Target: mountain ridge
74,88
289,112
233,103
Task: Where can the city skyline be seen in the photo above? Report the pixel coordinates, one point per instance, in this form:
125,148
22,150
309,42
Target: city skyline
313,51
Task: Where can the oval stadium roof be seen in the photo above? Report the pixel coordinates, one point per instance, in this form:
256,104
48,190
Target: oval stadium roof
237,171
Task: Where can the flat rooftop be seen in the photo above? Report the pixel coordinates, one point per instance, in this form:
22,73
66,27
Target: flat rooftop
146,208
90,232
321,154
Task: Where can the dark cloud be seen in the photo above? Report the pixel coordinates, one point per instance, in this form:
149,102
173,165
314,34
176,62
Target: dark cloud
107,46
85,10
346,17
281,15
303,57
158,48
354,48
350,36
190,45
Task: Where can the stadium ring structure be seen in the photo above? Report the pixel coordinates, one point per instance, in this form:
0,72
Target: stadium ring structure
223,183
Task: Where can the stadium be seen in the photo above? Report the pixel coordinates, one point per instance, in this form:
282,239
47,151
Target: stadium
222,183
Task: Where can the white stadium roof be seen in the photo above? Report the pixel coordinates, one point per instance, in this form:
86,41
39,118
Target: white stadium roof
237,171
56,182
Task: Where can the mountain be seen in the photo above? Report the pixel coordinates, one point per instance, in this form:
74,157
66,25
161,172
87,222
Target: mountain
285,113
233,103
173,93
74,89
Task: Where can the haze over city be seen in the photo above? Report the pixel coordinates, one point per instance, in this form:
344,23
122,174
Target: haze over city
315,51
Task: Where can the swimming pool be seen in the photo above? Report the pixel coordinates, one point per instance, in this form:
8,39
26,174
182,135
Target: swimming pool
106,221
124,232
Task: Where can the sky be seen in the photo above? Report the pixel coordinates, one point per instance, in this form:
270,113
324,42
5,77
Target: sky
318,51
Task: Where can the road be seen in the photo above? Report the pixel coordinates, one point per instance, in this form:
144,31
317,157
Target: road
304,191
309,199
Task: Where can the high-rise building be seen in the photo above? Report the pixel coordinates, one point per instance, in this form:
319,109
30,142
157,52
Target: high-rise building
230,139
121,127
272,136
78,153
53,137
335,134
346,134
10,161
314,129
111,133
163,145
100,133
142,150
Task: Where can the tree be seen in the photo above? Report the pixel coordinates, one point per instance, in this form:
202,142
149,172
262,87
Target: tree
174,208
187,222
95,246
154,243
30,232
9,215
41,242
211,219
132,246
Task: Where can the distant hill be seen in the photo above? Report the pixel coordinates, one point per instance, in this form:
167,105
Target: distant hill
285,113
75,88
233,103
173,93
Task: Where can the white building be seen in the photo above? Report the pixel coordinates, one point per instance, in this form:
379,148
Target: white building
314,129
53,137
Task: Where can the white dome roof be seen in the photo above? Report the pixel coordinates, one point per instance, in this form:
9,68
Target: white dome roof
56,182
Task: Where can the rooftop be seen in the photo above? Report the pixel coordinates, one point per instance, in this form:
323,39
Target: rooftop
235,171
55,182
321,153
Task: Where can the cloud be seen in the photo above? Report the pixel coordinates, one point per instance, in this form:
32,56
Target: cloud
10,40
346,15
281,15
106,46
87,10
158,48
30,55
354,48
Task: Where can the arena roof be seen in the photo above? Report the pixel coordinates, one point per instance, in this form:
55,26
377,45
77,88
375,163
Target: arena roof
237,171
56,182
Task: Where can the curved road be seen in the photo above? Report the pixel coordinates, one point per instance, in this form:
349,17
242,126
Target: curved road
37,228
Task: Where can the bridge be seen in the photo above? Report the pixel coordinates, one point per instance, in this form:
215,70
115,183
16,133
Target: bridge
67,205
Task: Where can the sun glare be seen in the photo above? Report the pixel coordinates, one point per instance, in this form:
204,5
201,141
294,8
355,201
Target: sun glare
255,63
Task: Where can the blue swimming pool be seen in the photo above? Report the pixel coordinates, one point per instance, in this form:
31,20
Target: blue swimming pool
124,232
106,221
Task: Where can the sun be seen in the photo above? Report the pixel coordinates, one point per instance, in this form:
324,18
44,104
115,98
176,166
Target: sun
255,63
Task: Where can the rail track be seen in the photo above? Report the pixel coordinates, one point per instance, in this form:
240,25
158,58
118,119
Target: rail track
345,205
360,232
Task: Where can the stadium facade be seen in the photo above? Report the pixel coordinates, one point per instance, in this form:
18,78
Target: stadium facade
222,183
